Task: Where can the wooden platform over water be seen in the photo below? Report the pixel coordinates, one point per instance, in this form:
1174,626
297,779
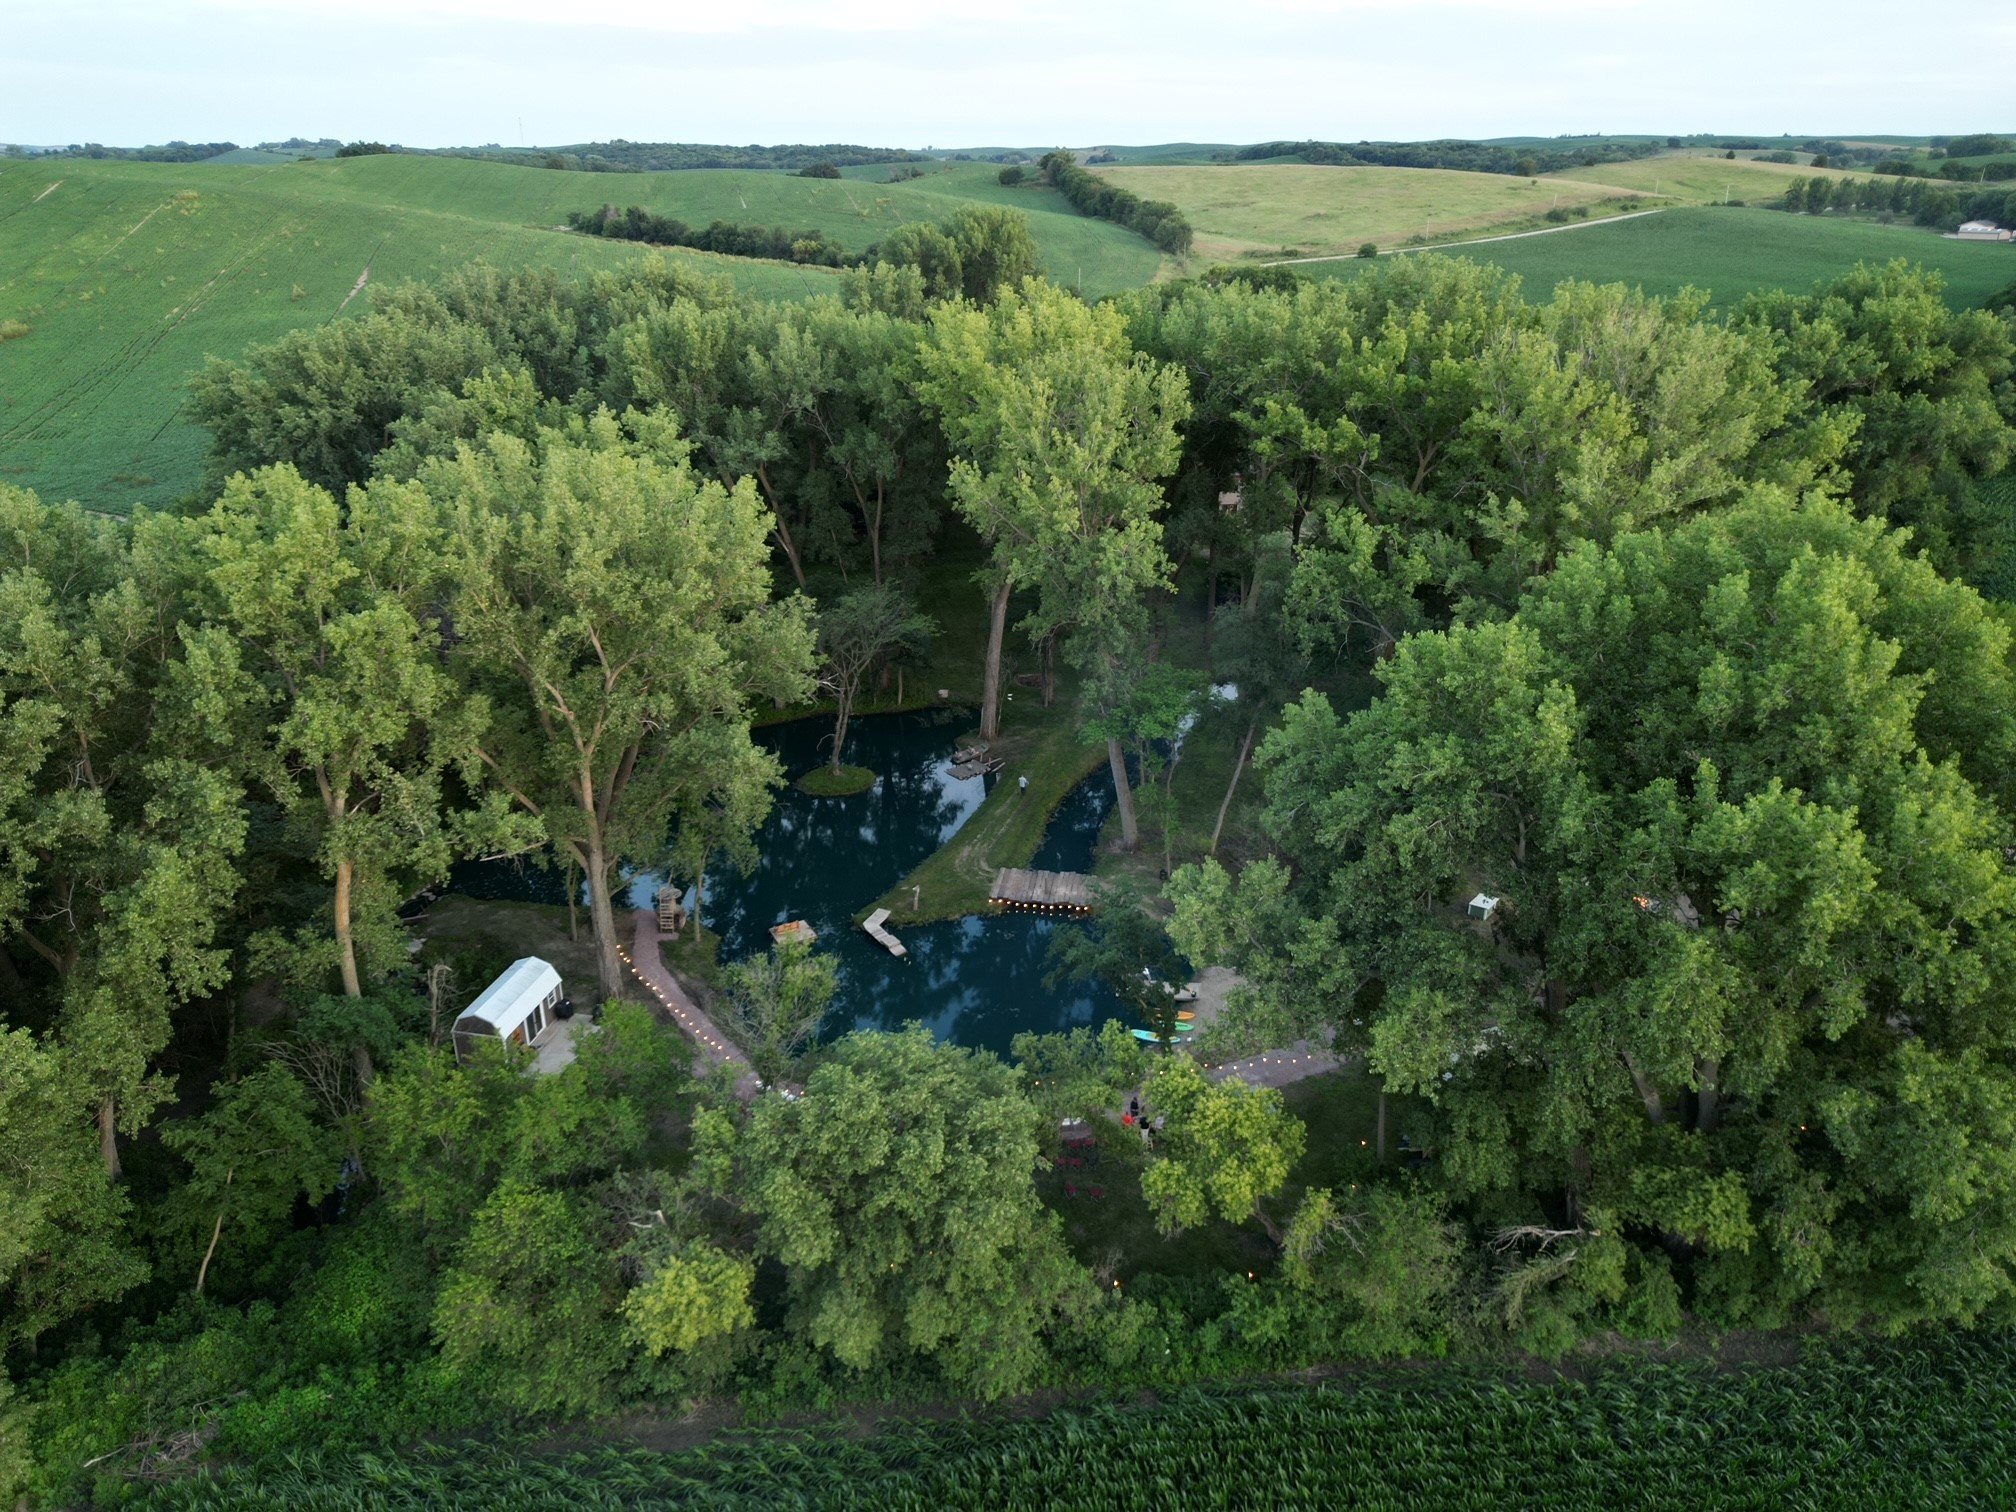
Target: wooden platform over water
1060,892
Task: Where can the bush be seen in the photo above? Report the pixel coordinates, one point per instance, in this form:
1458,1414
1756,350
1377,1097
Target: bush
1368,249
1011,176
1558,214
819,171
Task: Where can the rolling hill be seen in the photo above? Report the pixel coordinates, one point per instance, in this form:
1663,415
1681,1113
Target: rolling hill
117,279
1246,210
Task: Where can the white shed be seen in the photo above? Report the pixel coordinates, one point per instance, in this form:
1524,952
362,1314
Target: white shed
515,1008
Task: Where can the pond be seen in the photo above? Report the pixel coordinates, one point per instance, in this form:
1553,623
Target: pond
974,981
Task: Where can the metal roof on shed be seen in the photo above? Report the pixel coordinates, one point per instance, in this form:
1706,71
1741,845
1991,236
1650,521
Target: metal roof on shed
508,1002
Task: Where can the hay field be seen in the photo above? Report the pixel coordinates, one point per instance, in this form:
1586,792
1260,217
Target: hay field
1699,178
1242,211
1730,253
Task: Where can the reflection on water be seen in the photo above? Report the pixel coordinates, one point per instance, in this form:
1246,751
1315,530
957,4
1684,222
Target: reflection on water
976,981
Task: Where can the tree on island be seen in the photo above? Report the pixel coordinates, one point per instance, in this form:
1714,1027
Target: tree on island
858,632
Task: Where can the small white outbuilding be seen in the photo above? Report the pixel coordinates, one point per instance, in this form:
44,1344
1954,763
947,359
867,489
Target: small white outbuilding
516,1008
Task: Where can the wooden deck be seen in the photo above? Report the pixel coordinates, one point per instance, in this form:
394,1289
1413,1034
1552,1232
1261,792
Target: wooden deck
1043,891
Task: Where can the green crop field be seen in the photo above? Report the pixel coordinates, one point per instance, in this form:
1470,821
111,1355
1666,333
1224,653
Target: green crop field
1249,209
118,279
1878,1427
1702,178
1730,253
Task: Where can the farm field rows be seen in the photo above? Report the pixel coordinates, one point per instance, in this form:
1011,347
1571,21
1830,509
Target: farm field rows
1881,1427
127,276
1287,208
1730,253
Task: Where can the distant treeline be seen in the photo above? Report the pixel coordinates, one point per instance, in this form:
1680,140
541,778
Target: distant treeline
1158,220
1473,157
640,225
167,152
620,156
1926,201
973,254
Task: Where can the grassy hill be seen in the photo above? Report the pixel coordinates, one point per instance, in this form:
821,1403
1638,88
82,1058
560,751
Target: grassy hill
117,279
1730,253
1702,178
1269,209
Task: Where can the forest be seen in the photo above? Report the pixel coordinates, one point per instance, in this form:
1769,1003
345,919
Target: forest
1688,635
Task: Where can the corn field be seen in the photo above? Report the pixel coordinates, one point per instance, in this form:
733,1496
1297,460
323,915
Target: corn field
1878,1428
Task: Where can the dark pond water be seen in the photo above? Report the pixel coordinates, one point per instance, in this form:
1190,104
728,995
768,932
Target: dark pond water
974,981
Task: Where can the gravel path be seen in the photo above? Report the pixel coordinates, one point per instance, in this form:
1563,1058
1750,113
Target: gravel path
1475,241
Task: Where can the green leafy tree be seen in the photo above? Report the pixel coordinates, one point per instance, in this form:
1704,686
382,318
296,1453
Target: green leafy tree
775,1002
1224,1147
1751,890
119,824
1059,431
897,1194
1081,1070
1388,1256
251,1155
1129,953
527,1312
615,609
317,622
1920,390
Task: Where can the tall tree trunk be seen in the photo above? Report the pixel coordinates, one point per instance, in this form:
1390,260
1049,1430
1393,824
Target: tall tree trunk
203,1270
346,943
1130,830
346,960
783,531
1049,670
875,536
1655,1107
108,1136
990,691
602,916
1382,1124
846,710
1238,767
1709,1073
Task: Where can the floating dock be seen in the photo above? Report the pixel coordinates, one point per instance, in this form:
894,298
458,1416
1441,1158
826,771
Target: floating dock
1042,891
978,767
873,925
793,931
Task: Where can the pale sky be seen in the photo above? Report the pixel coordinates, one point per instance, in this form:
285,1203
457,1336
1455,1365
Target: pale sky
949,73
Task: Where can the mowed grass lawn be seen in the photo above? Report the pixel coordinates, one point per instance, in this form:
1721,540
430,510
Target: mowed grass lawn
1730,253
1699,178
1243,210
126,276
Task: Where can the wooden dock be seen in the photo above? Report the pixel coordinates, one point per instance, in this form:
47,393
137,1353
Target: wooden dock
793,931
1042,891
873,925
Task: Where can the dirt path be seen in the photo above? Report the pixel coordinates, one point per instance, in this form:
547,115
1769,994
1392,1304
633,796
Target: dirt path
648,966
1475,241
46,192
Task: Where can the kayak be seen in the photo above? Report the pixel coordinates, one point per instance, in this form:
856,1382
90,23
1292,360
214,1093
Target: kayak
1148,1036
